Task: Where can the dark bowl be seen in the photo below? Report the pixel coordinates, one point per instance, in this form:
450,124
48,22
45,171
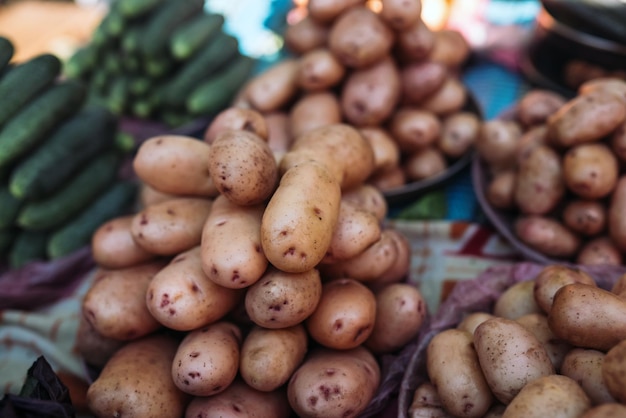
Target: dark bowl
412,191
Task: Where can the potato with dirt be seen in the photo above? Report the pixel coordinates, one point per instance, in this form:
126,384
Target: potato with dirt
113,246
590,171
237,118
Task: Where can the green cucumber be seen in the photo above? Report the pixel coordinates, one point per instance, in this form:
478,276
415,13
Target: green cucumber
9,207
214,94
158,67
190,38
166,19
81,62
27,247
76,141
29,127
6,52
25,81
140,85
115,201
135,8
214,56
118,97
75,195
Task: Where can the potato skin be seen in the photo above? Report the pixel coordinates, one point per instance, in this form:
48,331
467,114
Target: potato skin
299,220
334,383
400,15
599,251
270,356
551,278
414,128
517,300
237,118
616,209
585,217
367,197
590,170
136,382
325,11
458,134
175,164
415,43
547,235
424,163
453,368
585,367
94,348
426,403
447,99
607,410
497,142
421,79
320,70
613,368
537,105
113,246
207,359
305,35
272,89
537,323
314,110
501,189
182,298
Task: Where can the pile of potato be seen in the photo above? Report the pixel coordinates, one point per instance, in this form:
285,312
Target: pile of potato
557,165
249,280
553,345
385,73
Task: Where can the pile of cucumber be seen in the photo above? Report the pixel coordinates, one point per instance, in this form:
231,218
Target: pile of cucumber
59,160
164,60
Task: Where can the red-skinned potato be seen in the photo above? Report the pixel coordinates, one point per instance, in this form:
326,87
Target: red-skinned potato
113,246
414,129
617,141
612,85
599,251
278,136
421,79
236,118
401,14
414,43
547,235
585,217
537,105
426,403
450,48
401,266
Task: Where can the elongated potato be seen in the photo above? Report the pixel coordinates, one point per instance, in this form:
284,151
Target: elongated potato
181,297
299,220
501,189
585,367
599,251
113,246
400,267
275,87
175,164
243,167
270,356
312,111
237,118
453,368
207,359
547,235
537,105
136,382
557,349
171,227
115,305
279,139
231,253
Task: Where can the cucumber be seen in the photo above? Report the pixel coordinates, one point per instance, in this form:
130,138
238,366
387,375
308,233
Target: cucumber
9,207
6,52
135,8
189,39
157,67
217,54
28,246
167,18
28,128
25,81
81,62
115,201
114,22
214,94
118,98
75,195
76,141
140,85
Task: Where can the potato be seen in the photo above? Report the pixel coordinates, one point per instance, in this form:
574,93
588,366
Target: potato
554,395
384,146
610,85
472,320
356,230
115,304
278,136
539,185
510,357
585,217
421,79
282,300
334,383
182,298
590,170
607,410
239,400
500,191
400,312
547,235
414,129
537,105
616,208
458,134
326,11
239,119
497,142
207,359
340,147
231,255
586,118
400,268
599,251
299,220
516,301
369,95
426,403
619,287
389,179
270,356
243,167
171,227
136,382
113,246
528,141
453,368
425,163
613,374
274,88
319,70
588,316
175,164
399,14
345,315
553,277
359,38
305,35
447,99
617,141
366,266
148,195
450,48
537,323
585,367
314,110
415,43
94,348
367,197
